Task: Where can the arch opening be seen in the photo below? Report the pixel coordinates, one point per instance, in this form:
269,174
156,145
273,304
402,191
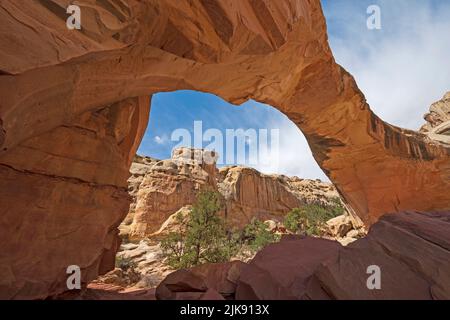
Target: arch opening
262,169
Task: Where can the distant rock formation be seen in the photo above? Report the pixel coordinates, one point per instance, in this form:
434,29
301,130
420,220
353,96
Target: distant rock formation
411,250
161,188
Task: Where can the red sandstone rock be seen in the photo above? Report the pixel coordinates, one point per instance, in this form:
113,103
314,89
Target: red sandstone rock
413,252
281,271
202,282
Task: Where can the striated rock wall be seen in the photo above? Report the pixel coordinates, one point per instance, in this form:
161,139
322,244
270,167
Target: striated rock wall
52,217
55,83
167,186
250,194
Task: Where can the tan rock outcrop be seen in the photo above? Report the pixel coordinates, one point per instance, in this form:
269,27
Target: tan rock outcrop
438,120
139,168
74,105
167,186
250,194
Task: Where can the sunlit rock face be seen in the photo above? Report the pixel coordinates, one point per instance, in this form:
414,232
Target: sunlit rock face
438,120
74,105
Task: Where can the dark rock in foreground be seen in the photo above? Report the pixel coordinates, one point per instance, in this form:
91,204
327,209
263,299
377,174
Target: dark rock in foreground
411,249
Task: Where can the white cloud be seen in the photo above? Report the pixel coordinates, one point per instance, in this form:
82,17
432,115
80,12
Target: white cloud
160,139
404,67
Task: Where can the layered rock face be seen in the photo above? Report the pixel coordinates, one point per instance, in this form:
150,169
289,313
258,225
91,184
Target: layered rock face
161,188
52,218
411,250
250,194
165,186
74,105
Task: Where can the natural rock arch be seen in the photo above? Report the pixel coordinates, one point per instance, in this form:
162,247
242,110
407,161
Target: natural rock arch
74,106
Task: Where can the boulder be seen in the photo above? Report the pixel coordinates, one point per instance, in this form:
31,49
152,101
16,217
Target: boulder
281,271
202,282
438,121
340,225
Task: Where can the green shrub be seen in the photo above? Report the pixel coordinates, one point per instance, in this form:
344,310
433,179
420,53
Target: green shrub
124,263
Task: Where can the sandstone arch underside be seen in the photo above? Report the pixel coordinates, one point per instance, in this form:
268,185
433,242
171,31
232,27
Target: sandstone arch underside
74,106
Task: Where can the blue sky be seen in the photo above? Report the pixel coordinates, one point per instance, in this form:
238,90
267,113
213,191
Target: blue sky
401,69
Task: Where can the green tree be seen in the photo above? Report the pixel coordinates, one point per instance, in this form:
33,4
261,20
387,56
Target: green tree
311,218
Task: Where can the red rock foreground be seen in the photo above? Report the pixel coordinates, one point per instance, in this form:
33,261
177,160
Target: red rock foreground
412,250
75,104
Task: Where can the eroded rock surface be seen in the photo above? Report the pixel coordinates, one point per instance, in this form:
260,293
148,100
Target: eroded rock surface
438,120
74,106
167,186
250,194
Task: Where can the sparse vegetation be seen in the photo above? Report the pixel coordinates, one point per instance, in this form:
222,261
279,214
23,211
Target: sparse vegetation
205,238
125,263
